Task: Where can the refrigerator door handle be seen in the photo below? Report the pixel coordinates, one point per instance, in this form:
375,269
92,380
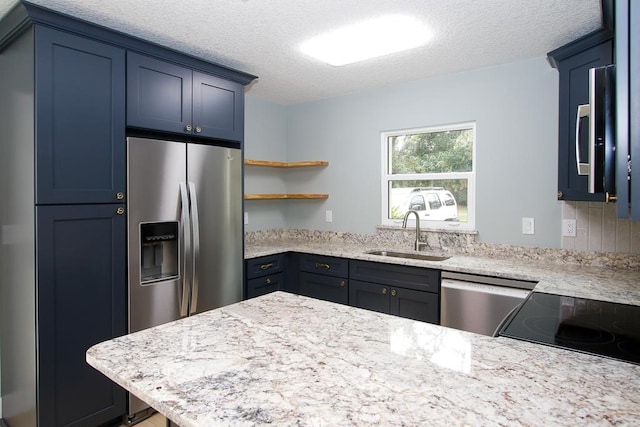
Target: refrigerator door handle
196,248
186,248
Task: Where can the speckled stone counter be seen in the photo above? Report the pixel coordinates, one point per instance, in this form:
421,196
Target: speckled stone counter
284,359
569,279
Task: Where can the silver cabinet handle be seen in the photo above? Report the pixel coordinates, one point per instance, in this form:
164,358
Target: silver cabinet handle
198,129
188,128
186,249
195,222
583,111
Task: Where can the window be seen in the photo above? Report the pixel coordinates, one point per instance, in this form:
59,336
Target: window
430,171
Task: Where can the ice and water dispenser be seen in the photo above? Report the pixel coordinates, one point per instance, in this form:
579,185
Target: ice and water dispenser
159,254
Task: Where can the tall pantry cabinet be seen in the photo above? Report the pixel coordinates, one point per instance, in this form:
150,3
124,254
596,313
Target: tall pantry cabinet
63,265
63,256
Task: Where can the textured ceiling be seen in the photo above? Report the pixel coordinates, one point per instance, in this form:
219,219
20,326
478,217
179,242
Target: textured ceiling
261,37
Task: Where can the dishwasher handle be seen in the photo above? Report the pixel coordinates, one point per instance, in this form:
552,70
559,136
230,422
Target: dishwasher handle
484,288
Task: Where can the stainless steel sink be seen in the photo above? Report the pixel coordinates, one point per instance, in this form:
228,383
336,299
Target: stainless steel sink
423,257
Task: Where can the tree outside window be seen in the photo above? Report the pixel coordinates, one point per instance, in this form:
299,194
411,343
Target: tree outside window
431,171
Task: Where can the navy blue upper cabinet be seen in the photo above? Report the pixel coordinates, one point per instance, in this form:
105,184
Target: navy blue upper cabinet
627,55
158,94
80,127
163,96
218,107
573,62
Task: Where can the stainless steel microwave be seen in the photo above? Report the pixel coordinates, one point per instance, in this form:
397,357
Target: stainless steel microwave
600,113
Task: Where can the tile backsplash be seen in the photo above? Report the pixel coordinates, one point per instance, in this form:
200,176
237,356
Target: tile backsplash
598,229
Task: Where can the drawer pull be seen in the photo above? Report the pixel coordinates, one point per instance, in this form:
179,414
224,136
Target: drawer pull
384,291
393,292
319,265
268,281
266,266
343,284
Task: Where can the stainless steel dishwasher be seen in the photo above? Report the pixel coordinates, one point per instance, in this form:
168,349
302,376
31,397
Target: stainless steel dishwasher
479,303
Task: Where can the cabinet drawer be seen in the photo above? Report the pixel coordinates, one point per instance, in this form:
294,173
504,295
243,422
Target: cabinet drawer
265,285
421,279
265,265
326,288
326,265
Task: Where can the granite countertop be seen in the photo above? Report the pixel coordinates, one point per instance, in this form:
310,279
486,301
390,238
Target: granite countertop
598,283
284,359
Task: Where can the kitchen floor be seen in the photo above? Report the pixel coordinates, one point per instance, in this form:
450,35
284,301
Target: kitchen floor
156,420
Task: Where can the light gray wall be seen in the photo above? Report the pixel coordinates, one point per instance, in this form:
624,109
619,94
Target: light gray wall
515,107
265,139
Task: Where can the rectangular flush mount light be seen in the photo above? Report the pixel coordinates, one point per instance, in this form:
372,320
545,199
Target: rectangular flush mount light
368,39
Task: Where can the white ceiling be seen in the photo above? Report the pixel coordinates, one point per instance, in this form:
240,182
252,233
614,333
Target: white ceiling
261,37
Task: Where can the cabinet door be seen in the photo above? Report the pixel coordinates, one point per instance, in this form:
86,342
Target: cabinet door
159,95
80,111
265,285
218,107
634,106
416,305
81,302
326,288
574,91
370,296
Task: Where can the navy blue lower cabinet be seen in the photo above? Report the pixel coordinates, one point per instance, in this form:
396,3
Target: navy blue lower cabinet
265,285
401,290
408,303
81,290
370,296
416,305
327,288
265,274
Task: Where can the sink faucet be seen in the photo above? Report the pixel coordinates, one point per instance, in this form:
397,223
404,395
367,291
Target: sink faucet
417,243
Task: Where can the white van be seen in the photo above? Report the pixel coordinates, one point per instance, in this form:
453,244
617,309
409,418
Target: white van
433,204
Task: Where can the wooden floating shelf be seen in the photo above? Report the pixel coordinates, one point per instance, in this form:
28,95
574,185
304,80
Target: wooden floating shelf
284,196
285,165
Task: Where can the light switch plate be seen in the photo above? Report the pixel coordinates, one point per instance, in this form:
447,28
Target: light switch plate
528,226
328,216
246,218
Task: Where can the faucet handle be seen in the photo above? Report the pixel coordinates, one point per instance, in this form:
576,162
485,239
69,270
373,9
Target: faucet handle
420,244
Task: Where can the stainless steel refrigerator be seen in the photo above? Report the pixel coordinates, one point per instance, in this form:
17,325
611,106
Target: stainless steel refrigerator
185,235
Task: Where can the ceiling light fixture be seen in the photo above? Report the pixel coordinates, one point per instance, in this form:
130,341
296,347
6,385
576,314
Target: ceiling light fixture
368,39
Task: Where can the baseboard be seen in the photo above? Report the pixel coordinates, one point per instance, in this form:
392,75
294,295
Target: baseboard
2,423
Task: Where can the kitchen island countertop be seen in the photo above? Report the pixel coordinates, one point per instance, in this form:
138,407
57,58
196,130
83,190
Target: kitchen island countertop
284,359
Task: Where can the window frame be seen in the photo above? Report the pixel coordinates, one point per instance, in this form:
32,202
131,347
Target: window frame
388,177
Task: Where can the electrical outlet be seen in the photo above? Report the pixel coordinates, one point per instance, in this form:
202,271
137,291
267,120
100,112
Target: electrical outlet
569,228
246,218
528,226
328,216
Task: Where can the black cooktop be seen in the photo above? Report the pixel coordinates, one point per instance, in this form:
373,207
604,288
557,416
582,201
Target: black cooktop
595,327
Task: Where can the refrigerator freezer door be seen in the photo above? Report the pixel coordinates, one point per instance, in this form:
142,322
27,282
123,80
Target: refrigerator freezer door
155,171
216,175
